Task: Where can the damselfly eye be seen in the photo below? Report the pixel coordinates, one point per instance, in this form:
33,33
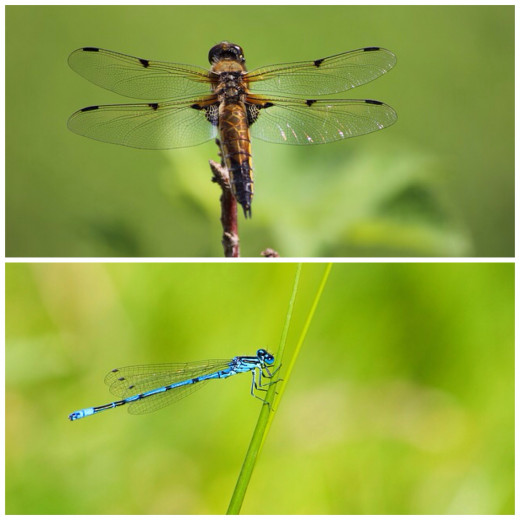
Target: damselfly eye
265,356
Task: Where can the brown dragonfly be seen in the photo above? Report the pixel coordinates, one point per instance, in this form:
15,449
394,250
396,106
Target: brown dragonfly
192,105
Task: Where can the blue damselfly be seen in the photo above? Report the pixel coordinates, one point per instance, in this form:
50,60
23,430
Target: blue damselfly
146,388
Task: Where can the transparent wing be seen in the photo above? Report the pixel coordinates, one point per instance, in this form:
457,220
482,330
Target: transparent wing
153,126
127,381
139,78
296,121
324,76
158,401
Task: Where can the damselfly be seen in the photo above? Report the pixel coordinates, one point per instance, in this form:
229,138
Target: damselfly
146,388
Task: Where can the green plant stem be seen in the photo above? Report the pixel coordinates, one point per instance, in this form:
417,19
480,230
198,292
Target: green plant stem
267,413
296,352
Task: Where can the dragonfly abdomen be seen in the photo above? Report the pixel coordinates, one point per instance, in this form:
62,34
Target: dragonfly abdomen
236,151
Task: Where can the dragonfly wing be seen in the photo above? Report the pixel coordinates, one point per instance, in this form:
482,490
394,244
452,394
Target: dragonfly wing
323,76
136,379
298,121
153,126
139,78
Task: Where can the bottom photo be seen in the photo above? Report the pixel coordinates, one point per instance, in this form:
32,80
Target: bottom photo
330,389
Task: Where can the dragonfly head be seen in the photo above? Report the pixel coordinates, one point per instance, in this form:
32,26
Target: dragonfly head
264,356
226,51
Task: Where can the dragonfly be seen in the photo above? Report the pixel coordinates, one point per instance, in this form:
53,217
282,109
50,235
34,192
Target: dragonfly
147,388
188,105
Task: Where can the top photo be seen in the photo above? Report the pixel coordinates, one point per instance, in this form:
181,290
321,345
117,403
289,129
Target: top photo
259,132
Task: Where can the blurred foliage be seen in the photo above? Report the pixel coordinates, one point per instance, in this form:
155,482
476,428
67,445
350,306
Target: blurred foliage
438,183
401,402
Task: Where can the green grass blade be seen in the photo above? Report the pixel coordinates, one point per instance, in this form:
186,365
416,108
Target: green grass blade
267,413
287,373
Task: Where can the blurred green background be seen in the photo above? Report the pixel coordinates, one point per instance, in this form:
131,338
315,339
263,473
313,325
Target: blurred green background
438,183
402,400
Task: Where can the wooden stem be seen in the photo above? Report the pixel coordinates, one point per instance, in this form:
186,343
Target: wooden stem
228,211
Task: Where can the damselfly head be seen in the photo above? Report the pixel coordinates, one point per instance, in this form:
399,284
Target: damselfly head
264,356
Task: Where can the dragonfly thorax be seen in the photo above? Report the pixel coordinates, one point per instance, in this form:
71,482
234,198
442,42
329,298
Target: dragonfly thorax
230,86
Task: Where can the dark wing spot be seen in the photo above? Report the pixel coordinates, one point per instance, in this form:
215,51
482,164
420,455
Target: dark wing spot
115,370
87,109
373,102
317,63
253,111
368,49
155,106
90,49
144,63
211,114
310,102
196,379
130,387
121,379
